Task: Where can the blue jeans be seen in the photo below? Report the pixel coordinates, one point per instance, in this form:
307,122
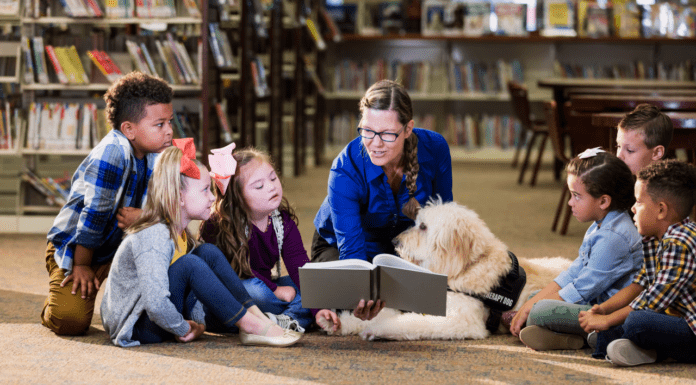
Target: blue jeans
670,336
268,302
203,275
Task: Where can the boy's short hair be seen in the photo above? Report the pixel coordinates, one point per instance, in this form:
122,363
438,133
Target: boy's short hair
673,181
127,98
657,128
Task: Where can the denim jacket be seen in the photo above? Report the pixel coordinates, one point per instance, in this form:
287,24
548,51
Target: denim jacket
610,255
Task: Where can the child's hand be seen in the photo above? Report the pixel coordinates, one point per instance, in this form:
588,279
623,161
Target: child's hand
520,319
285,293
126,216
593,320
84,280
328,315
195,331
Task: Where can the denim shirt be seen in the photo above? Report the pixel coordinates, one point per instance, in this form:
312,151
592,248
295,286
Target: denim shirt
360,216
610,255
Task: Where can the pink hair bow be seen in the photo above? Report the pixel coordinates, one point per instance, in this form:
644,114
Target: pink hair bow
188,166
222,166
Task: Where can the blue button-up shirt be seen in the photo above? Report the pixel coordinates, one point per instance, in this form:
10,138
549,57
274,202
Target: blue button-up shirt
610,256
359,216
104,182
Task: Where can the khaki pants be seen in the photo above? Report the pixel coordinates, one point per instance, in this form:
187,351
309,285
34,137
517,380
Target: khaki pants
66,313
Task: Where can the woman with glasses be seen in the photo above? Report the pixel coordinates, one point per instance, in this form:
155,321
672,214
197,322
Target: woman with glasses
379,181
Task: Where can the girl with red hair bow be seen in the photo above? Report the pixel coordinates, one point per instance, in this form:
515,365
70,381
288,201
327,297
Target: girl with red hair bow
162,284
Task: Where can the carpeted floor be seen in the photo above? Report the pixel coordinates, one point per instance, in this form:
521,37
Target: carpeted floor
519,215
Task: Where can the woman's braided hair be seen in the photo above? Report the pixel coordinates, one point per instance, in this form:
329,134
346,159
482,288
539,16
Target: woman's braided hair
391,96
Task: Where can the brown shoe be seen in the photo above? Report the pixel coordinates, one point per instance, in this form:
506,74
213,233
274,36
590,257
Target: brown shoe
539,338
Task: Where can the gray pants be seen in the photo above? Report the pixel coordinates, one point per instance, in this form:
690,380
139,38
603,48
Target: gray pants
558,316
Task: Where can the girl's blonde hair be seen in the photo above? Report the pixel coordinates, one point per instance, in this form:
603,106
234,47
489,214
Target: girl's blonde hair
389,95
233,214
164,196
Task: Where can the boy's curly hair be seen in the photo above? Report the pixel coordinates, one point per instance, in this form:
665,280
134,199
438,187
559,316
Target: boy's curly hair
672,181
657,128
605,174
127,98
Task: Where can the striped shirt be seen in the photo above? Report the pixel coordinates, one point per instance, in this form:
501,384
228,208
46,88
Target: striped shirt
669,275
106,180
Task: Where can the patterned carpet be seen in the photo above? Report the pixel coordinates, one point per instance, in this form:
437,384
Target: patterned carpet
521,217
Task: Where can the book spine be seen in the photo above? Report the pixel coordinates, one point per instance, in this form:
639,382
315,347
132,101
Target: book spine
188,79
40,60
318,40
215,45
28,61
187,62
93,56
62,77
148,59
226,131
167,67
94,7
74,58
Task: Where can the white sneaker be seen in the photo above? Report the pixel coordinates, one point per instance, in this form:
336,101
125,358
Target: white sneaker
285,322
623,352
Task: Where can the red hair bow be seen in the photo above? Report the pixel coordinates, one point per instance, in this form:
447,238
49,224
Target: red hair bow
188,166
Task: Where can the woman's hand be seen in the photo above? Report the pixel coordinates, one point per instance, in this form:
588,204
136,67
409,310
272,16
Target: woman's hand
285,293
195,331
368,311
330,316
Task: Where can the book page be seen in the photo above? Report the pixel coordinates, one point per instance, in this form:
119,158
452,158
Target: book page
342,264
390,260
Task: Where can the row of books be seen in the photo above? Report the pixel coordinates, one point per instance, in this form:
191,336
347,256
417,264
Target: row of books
221,48
682,71
469,131
484,77
8,65
10,120
425,77
80,126
177,63
109,8
585,18
54,190
65,126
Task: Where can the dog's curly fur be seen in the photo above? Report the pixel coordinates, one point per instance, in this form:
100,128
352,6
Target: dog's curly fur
451,239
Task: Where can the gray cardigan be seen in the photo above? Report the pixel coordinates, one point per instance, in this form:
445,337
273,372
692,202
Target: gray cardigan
139,281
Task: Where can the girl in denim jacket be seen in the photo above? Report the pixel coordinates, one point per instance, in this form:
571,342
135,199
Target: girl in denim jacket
601,187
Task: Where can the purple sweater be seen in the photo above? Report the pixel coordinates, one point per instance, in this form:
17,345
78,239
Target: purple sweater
263,249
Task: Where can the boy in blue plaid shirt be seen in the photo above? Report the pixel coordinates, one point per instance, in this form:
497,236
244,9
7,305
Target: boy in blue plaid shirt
655,317
107,191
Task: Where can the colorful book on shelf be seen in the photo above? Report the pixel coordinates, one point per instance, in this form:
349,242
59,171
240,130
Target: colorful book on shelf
627,23
316,36
432,17
215,45
183,60
53,57
192,8
559,18
169,66
188,63
511,19
597,21
105,65
258,73
40,60
477,19
28,60
345,16
453,18
148,59
391,17
9,7
334,31
119,9
76,64
226,132
136,54
53,197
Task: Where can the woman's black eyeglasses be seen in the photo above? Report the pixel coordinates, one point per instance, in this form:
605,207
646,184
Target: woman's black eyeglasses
385,136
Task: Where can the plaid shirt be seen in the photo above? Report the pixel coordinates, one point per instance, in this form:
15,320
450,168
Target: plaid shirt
104,182
669,274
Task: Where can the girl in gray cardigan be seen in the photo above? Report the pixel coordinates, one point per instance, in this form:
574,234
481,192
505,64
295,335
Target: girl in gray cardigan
158,289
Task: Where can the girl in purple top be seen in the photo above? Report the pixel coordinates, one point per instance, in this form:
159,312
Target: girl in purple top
254,225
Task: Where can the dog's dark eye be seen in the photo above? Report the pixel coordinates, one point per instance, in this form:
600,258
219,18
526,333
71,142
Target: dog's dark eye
423,226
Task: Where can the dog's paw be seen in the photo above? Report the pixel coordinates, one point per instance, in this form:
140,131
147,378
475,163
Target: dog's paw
327,325
368,335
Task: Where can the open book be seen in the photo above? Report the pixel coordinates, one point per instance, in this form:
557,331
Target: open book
399,283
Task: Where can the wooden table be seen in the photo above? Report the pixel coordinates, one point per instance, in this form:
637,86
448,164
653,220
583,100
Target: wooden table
684,129
627,103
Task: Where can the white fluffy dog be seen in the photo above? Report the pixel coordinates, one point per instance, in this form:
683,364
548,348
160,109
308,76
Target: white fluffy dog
451,239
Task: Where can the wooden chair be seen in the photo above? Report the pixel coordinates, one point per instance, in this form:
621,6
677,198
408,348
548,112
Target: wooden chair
558,136
520,104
